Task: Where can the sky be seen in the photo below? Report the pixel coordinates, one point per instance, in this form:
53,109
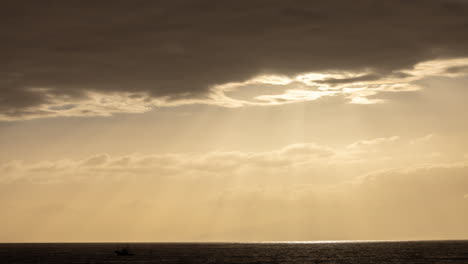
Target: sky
253,120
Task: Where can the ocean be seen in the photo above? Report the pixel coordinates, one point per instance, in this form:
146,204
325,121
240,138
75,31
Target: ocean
423,252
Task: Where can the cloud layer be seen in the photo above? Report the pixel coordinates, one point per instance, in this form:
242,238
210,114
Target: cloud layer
305,160
292,193
78,58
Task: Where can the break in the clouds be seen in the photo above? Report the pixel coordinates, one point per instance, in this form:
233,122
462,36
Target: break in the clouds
81,58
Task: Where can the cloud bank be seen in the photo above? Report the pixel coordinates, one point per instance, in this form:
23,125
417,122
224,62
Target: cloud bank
301,159
290,193
80,58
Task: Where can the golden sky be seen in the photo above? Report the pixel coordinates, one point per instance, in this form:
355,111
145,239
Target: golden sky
233,121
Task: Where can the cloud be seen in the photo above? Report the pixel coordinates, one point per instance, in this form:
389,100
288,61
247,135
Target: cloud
359,87
318,163
423,139
309,150
96,59
414,202
372,142
225,164
97,161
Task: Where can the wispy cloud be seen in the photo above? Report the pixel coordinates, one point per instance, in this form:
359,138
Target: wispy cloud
299,159
357,87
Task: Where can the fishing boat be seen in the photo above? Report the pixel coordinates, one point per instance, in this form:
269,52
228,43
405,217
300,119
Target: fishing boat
123,252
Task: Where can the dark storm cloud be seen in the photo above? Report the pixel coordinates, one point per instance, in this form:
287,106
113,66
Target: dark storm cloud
178,49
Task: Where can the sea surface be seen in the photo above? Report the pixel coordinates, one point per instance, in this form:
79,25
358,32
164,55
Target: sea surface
425,252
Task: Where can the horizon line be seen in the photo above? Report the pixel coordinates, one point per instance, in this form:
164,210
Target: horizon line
244,242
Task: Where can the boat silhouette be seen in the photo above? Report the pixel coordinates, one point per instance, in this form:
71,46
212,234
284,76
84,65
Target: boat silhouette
123,252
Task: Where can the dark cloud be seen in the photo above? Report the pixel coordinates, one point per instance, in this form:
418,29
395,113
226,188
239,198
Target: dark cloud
367,77
457,69
178,49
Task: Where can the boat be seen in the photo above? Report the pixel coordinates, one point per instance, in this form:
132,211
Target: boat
123,252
